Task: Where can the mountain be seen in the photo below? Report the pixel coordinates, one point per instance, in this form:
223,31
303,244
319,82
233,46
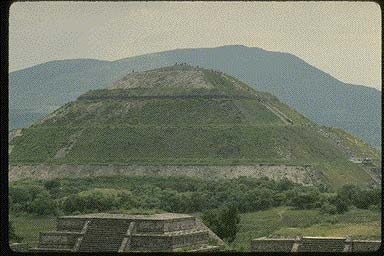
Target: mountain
189,116
40,89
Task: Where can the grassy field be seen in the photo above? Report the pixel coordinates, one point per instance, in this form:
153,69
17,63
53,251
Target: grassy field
29,227
276,222
285,222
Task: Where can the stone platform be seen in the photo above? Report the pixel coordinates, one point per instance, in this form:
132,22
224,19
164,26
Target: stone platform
314,244
124,233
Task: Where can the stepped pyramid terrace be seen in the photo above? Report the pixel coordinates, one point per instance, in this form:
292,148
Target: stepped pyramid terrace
103,232
182,120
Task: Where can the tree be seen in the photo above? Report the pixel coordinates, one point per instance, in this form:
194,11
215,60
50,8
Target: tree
32,199
305,200
43,204
349,193
284,184
328,208
340,203
223,222
53,187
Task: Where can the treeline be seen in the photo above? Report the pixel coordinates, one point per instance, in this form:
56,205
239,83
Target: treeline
178,194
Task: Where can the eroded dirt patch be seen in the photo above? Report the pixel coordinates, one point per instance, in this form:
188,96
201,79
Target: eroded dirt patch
62,152
297,174
14,133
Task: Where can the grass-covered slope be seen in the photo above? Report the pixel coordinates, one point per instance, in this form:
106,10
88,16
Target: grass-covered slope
286,222
37,90
182,115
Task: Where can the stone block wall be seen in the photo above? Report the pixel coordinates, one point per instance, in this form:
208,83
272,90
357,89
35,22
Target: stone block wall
19,247
189,239
365,245
179,224
149,226
314,244
167,242
150,243
323,244
70,224
272,245
60,240
161,226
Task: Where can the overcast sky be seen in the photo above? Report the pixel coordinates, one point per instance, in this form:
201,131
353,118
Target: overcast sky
340,38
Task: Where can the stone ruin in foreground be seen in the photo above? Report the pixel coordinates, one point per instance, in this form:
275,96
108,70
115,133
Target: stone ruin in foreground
128,233
103,232
314,244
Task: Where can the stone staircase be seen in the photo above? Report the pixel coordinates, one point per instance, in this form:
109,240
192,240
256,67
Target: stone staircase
104,235
128,233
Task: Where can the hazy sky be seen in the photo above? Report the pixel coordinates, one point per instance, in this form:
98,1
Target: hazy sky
340,38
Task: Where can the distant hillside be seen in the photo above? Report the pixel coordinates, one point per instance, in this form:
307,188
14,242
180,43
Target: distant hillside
357,109
182,115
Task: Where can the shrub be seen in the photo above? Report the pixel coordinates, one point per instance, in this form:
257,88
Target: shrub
305,199
223,222
12,233
328,208
53,186
31,199
340,203
43,204
349,193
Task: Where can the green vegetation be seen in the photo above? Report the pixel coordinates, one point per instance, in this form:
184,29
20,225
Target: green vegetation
38,145
275,144
178,194
287,222
28,227
225,123
169,112
223,222
296,117
357,146
266,207
12,236
274,222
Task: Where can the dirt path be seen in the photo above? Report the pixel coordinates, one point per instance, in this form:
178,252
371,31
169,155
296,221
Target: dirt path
278,113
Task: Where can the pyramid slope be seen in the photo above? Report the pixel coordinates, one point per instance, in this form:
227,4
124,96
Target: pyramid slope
220,122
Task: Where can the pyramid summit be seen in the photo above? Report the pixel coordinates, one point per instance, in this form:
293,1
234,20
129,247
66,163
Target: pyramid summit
184,120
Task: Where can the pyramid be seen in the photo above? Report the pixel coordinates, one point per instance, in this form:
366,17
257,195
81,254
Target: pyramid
103,232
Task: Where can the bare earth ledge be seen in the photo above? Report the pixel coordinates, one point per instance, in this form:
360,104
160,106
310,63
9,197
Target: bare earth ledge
297,174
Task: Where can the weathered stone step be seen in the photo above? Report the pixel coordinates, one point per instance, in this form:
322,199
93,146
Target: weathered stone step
322,245
38,249
200,248
173,233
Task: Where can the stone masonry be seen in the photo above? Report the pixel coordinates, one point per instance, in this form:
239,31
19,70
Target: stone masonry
314,244
124,233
